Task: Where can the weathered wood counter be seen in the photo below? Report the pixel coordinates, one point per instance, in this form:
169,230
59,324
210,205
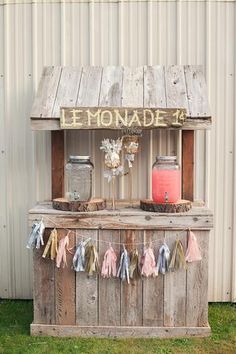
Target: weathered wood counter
70,304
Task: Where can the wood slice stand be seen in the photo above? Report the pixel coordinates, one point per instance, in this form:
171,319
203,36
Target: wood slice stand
92,205
181,206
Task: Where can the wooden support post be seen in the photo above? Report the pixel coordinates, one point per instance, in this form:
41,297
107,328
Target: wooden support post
187,164
57,154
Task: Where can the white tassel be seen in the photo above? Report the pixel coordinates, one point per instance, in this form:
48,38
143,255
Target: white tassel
79,256
36,235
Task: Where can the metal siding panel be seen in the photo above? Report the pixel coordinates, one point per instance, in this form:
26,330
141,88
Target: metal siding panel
115,33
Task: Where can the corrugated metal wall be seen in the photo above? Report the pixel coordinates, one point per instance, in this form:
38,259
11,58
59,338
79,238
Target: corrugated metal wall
34,34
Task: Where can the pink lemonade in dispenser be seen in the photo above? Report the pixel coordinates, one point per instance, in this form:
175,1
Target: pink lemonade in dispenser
166,180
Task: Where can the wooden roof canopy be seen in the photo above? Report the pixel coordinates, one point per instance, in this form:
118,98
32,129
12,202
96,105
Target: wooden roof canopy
171,87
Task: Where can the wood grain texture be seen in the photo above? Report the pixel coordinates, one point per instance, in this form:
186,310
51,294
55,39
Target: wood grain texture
132,294
154,86
86,288
122,332
179,207
111,87
109,289
46,95
175,288
91,205
68,88
65,286
196,91
153,288
57,161
89,90
197,285
43,286
188,165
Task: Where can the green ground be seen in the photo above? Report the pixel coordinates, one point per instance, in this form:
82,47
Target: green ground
16,316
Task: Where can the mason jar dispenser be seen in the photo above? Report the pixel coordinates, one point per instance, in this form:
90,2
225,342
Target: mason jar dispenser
79,174
166,184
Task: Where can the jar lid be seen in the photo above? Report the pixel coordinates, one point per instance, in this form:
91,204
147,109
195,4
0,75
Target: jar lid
78,158
166,158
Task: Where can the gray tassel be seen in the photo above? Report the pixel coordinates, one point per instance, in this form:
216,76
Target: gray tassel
163,259
36,235
123,270
79,256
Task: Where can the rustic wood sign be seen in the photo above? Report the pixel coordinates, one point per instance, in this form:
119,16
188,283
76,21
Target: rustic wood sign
119,118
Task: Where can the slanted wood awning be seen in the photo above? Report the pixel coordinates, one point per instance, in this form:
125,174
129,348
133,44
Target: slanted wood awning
172,87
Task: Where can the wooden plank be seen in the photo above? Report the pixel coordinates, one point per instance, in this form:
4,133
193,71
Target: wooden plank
176,93
196,91
197,285
57,161
120,118
175,288
43,289
65,286
89,90
188,165
131,294
86,288
68,88
153,288
122,332
45,124
154,86
111,86
125,221
46,94
109,289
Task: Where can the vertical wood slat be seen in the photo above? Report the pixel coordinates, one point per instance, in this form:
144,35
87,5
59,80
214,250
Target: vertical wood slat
109,289
132,294
175,288
153,288
57,163
65,286
188,164
86,288
44,289
197,285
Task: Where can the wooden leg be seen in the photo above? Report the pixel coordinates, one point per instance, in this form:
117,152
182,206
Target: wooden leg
187,164
57,154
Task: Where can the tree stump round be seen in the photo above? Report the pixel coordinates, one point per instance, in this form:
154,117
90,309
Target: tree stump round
92,205
180,207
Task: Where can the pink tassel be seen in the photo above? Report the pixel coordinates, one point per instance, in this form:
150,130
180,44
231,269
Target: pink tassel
148,263
193,253
61,252
109,264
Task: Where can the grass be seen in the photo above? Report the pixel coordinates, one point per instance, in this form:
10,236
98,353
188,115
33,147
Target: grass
16,316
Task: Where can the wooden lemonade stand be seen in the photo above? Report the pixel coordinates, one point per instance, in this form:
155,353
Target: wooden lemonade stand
67,303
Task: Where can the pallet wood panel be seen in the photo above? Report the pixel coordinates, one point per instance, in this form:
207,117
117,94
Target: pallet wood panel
44,288
109,289
132,294
111,87
65,286
153,288
86,288
175,288
197,285
67,89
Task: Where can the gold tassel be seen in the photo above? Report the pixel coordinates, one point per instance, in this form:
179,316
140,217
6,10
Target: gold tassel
91,260
51,246
178,257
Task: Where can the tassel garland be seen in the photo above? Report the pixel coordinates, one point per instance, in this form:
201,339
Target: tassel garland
36,235
178,258
79,256
163,259
123,270
51,246
193,253
91,260
109,264
148,263
134,269
61,252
